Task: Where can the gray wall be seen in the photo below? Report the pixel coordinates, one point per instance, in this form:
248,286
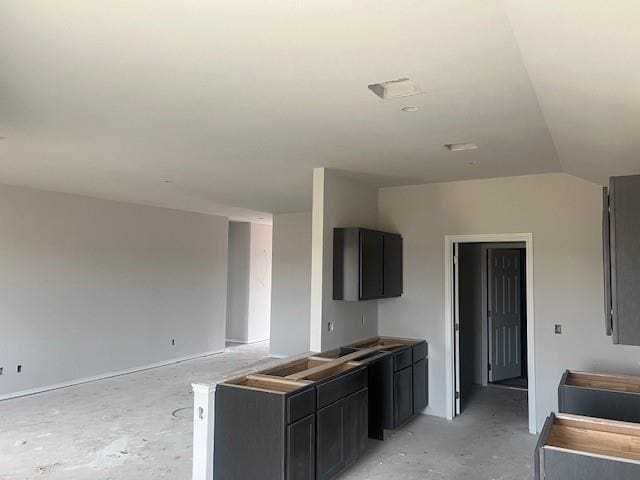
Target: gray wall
249,282
260,282
338,201
564,215
238,278
291,283
89,286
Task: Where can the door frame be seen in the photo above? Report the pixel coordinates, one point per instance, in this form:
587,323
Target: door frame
449,311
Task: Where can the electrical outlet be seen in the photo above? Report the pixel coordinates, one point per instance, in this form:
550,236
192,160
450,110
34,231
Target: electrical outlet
173,342
558,329
19,369
1,369
330,326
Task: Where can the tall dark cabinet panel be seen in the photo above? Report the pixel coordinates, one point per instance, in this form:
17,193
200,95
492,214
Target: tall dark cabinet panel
301,449
621,240
371,264
332,439
367,264
420,386
392,268
403,396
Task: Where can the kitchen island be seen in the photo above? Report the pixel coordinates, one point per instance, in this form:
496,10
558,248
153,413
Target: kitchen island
310,418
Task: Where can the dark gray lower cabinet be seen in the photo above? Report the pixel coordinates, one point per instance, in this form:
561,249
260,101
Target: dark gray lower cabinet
358,422
403,396
301,449
420,386
331,440
342,434
614,397
585,448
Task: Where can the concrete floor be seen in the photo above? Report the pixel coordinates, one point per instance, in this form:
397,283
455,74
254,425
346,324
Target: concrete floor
490,440
139,427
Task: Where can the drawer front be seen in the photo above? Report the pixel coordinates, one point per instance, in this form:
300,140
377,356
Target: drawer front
402,359
342,386
419,351
301,405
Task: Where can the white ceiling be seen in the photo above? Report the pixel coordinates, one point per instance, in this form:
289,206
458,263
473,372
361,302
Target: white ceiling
235,101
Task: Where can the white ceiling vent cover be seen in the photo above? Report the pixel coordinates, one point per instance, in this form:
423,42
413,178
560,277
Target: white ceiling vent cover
402,87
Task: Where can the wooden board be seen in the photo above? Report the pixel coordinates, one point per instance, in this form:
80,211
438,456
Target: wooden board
618,383
338,361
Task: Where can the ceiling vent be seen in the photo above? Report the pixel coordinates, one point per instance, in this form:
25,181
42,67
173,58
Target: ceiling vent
402,87
457,147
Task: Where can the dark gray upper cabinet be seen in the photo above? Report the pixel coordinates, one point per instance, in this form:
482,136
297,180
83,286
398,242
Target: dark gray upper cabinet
392,278
621,241
367,264
371,264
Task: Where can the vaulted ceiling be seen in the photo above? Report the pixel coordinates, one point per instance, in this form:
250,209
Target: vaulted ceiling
226,106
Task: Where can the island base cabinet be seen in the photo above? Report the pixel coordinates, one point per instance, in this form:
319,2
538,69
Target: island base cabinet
615,397
301,449
403,396
572,447
342,434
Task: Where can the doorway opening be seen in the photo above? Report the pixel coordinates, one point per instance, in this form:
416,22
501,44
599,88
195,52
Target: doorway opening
248,283
489,320
492,317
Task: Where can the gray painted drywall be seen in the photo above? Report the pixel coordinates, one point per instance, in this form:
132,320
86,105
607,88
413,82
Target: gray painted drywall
249,291
472,364
260,282
291,283
239,269
563,214
338,201
89,287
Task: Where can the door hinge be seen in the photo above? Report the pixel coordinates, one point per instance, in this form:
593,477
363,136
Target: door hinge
457,327
457,395
455,259
489,367
488,313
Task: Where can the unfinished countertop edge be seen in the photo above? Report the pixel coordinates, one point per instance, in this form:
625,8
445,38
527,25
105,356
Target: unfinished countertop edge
279,362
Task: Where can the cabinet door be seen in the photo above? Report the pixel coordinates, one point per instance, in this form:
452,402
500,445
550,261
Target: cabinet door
357,425
331,440
370,264
301,449
606,256
420,386
402,396
392,265
624,198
